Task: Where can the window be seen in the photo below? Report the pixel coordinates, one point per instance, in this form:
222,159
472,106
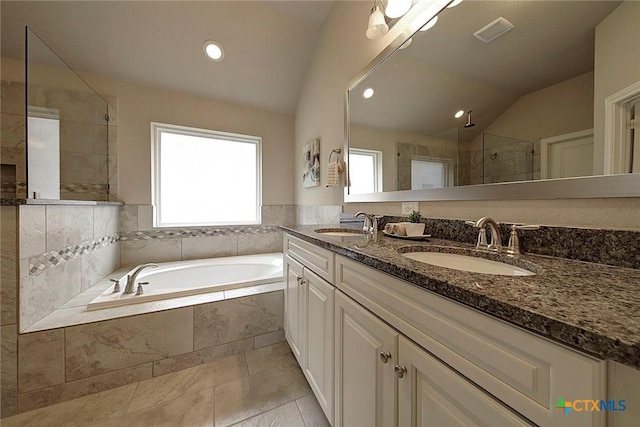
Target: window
431,173
365,171
204,177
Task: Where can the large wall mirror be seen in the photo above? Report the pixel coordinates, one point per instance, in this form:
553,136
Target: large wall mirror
501,99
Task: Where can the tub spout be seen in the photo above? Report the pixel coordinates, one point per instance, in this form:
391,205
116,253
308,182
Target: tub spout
133,275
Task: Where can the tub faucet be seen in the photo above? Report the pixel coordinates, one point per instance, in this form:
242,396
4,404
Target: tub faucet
496,238
131,278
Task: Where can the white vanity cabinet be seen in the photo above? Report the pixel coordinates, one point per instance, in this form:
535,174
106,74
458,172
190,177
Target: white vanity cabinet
379,351
430,394
508,376
366,353
309,314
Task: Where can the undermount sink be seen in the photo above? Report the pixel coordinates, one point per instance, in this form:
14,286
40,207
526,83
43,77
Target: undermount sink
468,263
341,232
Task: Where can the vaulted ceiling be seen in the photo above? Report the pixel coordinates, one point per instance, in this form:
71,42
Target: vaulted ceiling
268,44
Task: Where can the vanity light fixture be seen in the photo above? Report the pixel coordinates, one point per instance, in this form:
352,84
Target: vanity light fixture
397,8
454,3
213,50
377,25
368,92
459,114
430,24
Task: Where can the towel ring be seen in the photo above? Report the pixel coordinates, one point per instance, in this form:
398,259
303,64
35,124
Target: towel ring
337,152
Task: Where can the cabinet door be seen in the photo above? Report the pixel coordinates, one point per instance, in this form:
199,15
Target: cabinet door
319,316
432,394
366,351
294,326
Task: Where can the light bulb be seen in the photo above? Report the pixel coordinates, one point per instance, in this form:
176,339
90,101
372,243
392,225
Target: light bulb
397,8
430,24
454,3
459,114
368,92
406,44
377,26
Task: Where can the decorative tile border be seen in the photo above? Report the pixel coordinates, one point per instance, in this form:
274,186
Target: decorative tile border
197,232
52,258
84,188
40,263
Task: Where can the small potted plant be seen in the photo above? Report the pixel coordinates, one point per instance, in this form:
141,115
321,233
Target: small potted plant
415,227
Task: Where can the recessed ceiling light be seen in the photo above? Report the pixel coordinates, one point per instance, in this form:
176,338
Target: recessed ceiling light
367,92
454,3
213,50
430,24
459,114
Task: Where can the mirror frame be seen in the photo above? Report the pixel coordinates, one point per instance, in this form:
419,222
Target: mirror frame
599,186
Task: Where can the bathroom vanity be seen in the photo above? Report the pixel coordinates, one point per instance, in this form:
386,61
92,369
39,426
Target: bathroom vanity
385,340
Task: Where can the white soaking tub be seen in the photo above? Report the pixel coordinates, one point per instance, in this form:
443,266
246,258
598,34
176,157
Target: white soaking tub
184,278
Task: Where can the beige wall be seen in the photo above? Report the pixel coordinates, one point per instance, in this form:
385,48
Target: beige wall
555,110
342,51
617,63
140,105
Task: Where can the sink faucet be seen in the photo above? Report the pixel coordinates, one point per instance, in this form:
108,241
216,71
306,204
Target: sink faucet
370,223
131,278
367,221
496,238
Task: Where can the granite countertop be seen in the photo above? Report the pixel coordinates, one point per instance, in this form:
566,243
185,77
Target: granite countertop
592,307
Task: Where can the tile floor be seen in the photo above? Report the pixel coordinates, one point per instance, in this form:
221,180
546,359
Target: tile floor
263,387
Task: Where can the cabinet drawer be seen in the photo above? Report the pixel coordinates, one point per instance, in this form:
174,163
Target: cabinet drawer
319,260
527,372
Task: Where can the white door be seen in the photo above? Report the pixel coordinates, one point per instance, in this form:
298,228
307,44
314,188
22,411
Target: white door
568,155
294,307
366,352
319,339
432,394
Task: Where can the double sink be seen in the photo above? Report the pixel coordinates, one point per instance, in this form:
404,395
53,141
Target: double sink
453,258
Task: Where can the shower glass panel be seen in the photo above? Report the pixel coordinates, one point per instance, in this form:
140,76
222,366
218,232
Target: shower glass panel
506,159
67,132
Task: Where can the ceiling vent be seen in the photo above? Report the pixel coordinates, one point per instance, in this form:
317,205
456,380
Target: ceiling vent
493,30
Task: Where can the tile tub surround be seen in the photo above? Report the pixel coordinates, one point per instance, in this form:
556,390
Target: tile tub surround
591,307
253,388
141,243
69,362
63,249
618,248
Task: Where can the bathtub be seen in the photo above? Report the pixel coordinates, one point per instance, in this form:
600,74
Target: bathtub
185,278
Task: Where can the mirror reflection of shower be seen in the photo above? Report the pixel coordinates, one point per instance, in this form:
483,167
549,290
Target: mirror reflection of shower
506,159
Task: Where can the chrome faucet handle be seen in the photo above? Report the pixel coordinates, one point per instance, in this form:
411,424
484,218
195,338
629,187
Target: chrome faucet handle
481,242
368,221
116,287
514,247
140,291
525,227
